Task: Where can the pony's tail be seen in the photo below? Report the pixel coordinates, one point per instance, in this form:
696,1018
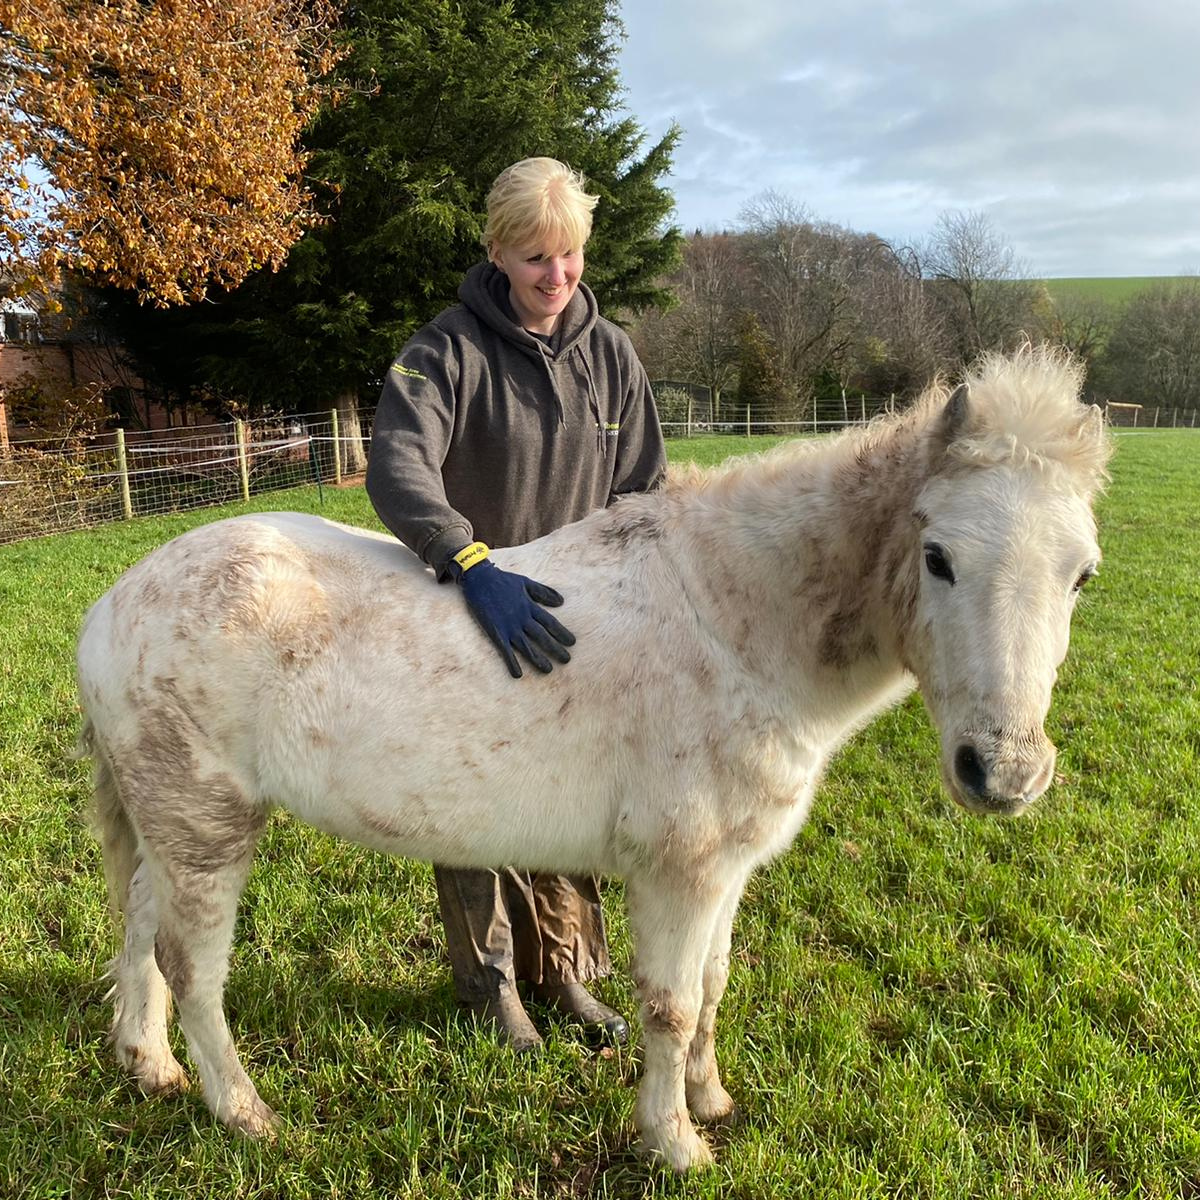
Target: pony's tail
109,820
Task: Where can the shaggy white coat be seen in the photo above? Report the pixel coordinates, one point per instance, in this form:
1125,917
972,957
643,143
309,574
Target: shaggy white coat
732,631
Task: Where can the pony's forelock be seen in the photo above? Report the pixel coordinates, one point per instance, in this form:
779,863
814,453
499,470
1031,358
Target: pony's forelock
1025,408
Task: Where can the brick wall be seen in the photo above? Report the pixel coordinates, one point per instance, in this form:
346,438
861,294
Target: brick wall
69,364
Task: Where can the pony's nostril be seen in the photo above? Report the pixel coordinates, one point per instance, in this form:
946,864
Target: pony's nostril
969,768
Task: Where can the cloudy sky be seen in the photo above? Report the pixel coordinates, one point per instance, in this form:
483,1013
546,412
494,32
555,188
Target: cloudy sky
1073,124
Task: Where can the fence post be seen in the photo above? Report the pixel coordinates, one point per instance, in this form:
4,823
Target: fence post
243,465
863,403
814,416
337,448
747,420
1156,418
123,472
845,410
3,429
689,417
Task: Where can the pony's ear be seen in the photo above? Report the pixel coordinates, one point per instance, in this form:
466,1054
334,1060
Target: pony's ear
954,415
1093,448
1091,424
952,420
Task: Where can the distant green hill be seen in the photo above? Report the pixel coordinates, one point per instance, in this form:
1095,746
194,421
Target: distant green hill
1116,289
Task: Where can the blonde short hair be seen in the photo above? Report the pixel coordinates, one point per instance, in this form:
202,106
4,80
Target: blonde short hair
539,202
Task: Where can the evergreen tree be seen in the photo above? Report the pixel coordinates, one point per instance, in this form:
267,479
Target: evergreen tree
759,384
437,97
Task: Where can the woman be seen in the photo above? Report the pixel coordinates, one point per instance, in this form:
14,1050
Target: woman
518,410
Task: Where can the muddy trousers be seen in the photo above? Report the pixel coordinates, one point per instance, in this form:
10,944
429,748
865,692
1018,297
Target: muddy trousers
502,926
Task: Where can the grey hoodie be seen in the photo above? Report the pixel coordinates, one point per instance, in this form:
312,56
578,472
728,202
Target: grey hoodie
485,432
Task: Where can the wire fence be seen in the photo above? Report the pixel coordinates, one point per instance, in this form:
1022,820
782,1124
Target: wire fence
689,419
52,487
682,417
81,482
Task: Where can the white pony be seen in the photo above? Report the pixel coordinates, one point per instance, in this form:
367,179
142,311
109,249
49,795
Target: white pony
733,629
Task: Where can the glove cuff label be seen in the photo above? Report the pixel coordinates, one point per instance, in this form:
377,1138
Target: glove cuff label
470,556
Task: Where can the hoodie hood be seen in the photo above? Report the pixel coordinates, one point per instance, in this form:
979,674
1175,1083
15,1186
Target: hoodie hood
485,292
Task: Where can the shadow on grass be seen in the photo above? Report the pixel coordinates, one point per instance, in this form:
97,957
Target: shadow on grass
369,1074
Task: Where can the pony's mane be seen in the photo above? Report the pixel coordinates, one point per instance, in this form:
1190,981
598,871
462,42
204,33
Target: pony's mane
690,477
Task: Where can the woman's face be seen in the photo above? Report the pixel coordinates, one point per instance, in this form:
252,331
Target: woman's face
540,283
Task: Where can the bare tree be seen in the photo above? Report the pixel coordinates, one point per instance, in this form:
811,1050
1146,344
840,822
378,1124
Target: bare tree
1153,355
697,340
902,341
987,298
1080,321
802,275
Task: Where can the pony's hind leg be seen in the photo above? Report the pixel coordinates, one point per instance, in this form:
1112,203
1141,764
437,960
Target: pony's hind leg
192,948
141,1000
197,833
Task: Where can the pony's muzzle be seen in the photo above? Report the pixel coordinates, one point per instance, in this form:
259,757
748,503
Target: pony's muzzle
1002,775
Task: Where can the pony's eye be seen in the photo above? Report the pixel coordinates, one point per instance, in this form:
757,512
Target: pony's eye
936,564
1084,576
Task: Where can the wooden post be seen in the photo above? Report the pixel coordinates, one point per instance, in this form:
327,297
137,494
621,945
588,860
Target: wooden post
1156,418
689,416
243,464
845,410
337,449
747,420
3,429
862,400
123,472
814,415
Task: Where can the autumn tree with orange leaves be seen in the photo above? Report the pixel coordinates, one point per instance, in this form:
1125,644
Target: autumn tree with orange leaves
154,144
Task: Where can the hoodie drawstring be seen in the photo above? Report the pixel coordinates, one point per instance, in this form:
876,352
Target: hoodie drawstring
562,412
594,401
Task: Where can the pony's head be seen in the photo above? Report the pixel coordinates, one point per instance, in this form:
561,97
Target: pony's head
1006,541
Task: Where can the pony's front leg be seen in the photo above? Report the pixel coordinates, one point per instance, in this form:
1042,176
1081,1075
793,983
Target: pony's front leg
710,1103
672,928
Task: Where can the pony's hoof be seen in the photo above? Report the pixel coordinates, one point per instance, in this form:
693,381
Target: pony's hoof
255,1120
687,1152
731,1119
155,1075
170,1081
714,1106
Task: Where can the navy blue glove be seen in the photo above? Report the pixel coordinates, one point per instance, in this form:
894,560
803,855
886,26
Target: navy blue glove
508,609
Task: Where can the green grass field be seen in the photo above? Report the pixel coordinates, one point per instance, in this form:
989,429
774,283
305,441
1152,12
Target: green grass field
922,1003
1115,289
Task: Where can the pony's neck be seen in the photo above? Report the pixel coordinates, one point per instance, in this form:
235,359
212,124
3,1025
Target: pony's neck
810,561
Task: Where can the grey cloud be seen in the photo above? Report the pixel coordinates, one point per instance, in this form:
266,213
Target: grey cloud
1077,127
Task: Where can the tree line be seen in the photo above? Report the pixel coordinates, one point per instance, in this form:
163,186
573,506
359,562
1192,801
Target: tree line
787,309
259,201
